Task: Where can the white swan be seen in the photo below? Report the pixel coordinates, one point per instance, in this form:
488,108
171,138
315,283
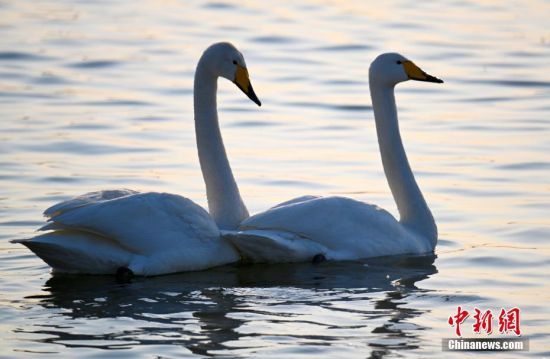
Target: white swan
340,228
128,232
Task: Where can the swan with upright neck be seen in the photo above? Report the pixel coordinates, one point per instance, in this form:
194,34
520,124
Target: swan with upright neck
341,228
123,231
224,200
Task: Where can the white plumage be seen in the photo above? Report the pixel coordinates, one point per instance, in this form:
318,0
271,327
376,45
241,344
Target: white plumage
337,227
342,228
155,233
149,233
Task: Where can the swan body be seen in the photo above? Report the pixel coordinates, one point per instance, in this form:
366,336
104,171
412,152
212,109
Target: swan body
345,229
339,228
149,233
155,233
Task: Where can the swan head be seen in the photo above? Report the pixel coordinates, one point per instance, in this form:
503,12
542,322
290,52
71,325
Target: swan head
224,60
392,68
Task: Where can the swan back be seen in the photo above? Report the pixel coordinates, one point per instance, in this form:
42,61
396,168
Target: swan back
150,233
348,228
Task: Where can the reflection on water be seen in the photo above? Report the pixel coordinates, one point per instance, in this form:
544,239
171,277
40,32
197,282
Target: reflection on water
208,312
98,95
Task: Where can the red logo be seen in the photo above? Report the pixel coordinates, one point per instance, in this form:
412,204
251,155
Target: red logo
508,321
458,319
483,321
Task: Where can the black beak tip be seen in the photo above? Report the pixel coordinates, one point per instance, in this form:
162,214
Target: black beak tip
252,95
430,78
434,79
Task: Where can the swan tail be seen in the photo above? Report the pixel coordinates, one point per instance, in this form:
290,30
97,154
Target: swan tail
77,252
274,246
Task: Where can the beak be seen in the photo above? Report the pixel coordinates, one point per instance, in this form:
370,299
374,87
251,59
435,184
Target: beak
415,73
243,82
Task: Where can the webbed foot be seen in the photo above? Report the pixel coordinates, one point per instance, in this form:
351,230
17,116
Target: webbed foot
318,258
124,275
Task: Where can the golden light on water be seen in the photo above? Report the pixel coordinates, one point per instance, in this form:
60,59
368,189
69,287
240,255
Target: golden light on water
98,95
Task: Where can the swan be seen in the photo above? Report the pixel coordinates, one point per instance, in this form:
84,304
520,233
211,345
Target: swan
338,228
127,232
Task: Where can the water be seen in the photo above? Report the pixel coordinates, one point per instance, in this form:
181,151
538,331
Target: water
97,95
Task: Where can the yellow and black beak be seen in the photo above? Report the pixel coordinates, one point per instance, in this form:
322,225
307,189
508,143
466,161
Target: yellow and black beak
243,82
415,73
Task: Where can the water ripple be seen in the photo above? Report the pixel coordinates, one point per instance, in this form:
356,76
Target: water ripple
511,83
22,56
103,99
94,64
274,39
344,48
353,108
524,166
113,102
219,5
47,78
82,148
248,124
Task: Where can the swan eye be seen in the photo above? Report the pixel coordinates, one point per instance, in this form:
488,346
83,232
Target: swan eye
234,62
399,62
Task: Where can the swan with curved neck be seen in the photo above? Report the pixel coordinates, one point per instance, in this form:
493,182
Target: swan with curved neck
340,228
126,232
224,200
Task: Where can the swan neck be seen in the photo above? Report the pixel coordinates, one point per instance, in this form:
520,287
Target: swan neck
224,200
413,209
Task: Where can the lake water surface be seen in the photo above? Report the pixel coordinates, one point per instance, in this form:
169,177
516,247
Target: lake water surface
98,95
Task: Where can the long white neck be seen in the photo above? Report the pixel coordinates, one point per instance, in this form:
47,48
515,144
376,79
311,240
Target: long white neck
224,200
413,210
